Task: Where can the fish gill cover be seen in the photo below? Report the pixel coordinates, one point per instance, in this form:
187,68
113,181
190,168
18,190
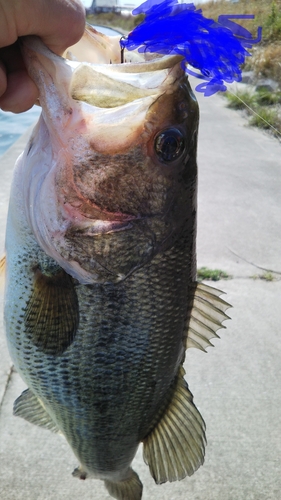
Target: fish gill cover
216,49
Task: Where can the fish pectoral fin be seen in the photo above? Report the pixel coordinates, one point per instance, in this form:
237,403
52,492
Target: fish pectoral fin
29,407
52,313
207,316
2,270
175,448
128,489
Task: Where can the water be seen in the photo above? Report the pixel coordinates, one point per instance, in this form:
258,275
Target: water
13,126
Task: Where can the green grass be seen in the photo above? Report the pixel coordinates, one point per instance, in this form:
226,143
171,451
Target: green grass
272,24
266,276
267,98
239,100
261,97
258,106
204,273
266,118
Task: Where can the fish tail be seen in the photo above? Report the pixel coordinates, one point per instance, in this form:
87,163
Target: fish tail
128,489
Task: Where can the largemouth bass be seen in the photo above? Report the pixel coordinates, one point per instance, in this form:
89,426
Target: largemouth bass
101,295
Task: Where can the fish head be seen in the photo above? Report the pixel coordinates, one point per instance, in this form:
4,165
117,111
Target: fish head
110,171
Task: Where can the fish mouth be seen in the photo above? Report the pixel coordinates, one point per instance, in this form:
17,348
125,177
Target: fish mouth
87,218
111,85
88,210
100,222
106,76
98,227
92,71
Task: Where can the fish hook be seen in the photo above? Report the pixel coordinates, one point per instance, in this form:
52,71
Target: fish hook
122,48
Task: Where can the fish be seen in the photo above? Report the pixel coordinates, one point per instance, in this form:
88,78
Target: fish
101,298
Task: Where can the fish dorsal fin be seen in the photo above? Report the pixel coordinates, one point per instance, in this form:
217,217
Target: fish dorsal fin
2,270
207,315
175,448
52,313
29,407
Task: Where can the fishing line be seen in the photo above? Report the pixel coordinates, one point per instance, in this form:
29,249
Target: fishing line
254,112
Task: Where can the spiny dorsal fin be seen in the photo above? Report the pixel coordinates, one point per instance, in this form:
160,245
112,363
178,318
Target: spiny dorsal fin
29,407
175,448
2,270
51,317
129,489
207,315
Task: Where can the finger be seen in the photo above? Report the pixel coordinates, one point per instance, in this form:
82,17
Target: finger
60,24
21,92
18,92
67,19
3,79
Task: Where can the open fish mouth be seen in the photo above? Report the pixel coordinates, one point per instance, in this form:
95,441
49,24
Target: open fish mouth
102,83
92,72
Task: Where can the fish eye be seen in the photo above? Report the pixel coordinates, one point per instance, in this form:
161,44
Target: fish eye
169,145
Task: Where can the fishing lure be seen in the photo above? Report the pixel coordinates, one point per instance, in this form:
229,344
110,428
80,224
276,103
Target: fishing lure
215,49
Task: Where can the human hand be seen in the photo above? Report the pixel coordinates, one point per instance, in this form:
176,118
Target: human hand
59,23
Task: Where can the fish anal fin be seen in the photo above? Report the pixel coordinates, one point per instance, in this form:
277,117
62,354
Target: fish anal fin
29,407
175,448
128,489
52,313
206,317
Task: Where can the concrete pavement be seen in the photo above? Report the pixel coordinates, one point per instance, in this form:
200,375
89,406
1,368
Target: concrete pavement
237,385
